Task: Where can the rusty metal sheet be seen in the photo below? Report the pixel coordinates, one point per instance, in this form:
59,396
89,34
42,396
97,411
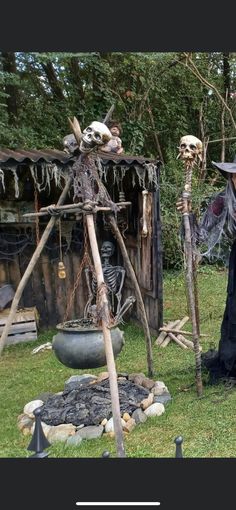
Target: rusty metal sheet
52,155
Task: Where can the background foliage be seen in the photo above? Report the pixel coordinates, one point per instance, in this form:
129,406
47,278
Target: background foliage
157,99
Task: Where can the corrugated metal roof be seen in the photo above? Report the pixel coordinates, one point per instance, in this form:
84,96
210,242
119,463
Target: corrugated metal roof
51,155
22,156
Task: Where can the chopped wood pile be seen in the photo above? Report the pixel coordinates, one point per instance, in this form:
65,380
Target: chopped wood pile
173,331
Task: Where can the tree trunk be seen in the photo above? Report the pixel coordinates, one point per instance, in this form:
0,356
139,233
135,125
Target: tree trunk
226,74
75,78
9,66
53,81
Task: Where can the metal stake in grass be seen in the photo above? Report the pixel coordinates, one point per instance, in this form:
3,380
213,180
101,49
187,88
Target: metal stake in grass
39,440
178,452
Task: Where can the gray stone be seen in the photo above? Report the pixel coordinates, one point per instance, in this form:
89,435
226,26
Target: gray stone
60,433
134,375
163,399
159,388
74,440
91,432
148,383
80,426
139,416
75,382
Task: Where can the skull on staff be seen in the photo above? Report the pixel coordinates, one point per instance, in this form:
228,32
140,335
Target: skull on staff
190,150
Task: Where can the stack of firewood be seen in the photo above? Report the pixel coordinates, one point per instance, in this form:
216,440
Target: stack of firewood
173,331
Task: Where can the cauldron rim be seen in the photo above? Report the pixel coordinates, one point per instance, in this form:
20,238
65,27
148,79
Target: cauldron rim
80,329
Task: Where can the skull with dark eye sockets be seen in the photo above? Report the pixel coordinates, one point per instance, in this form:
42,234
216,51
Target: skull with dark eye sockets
190,148
95,135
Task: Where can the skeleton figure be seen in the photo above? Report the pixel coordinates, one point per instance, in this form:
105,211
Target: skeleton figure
190,149
113,276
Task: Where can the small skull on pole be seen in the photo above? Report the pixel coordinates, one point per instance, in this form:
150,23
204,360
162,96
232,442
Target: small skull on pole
190,152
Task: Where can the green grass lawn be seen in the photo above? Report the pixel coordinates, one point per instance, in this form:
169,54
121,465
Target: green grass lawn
207,424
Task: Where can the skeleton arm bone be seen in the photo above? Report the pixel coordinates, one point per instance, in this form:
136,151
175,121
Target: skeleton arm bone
118,294
91,296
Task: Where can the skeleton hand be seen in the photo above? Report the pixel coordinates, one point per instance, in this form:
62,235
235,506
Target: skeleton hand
53,211
183,205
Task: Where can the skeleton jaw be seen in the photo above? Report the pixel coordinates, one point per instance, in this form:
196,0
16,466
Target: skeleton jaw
86,146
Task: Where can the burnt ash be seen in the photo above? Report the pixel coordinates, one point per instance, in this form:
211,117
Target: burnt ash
90,404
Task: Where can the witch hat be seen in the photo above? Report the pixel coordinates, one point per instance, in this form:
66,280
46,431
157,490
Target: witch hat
226,168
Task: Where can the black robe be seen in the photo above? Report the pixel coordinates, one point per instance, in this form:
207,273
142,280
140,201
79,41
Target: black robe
221,363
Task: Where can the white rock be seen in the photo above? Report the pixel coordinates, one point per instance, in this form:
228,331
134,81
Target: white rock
109,427
155,410
31,406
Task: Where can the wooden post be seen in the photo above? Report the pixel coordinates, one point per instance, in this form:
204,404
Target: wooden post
30,268
191,297
107,337
137,291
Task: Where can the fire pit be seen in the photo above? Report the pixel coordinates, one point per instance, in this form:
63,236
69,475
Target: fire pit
83,409
79,344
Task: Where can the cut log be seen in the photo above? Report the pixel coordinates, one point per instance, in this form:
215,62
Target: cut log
181,344
188,343
182,332
163,334
164,337
168,337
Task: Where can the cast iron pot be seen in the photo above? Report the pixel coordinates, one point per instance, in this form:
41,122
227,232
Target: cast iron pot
84,347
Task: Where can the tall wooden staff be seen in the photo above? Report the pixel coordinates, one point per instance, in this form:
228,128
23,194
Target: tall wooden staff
190,152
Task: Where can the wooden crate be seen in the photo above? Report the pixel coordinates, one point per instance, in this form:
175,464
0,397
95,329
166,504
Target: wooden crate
24,326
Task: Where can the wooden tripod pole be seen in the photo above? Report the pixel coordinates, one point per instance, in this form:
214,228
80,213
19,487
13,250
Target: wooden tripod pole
30,268
138,294
107,337
190,285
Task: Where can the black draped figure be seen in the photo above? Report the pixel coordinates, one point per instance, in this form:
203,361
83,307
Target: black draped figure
218,225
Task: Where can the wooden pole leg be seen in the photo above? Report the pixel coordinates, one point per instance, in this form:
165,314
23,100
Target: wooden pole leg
107,337
138,295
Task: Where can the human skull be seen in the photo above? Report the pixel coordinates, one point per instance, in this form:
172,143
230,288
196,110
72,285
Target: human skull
107,249
70,144
190,148
96,134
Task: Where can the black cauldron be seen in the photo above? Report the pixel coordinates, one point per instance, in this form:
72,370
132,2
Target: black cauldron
83,347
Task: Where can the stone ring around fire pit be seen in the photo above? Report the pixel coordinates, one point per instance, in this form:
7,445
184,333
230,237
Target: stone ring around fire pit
83,410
